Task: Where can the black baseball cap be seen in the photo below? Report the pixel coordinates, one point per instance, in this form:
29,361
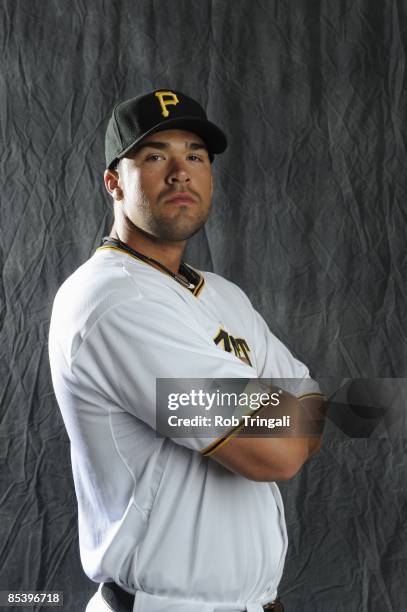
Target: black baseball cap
153,112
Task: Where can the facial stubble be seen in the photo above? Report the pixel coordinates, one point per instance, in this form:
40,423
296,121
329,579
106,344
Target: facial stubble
169,226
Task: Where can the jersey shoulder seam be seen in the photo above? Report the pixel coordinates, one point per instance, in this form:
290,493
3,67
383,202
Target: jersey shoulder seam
97,321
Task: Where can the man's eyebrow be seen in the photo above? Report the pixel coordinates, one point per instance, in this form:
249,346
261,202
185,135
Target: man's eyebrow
196,145
155,144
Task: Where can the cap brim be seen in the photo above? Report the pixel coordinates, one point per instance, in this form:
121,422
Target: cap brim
212,136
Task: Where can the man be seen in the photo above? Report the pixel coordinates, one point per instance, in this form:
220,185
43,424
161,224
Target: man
165,523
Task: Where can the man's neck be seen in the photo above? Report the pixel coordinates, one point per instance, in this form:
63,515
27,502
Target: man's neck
167,253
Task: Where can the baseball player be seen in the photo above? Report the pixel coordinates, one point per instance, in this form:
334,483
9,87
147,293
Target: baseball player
167,523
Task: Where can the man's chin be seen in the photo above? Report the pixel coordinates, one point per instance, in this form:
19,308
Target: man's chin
177,235
178,232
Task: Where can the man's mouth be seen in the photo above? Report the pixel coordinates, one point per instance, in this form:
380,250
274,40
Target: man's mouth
182,197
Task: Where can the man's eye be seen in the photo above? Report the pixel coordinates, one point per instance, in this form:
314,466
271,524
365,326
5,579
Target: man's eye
194,158
154,157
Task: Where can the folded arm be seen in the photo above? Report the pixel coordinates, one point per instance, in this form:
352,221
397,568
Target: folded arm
268,457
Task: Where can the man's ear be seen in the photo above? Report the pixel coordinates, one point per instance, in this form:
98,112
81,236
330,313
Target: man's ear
111,180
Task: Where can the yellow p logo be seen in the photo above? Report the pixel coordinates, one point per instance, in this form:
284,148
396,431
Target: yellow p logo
166,98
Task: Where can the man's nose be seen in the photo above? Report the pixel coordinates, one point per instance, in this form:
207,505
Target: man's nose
178,172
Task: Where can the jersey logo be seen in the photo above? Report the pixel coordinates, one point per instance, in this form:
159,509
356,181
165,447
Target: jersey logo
161,95
238,345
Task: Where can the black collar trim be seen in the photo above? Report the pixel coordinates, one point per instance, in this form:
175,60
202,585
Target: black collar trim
193,281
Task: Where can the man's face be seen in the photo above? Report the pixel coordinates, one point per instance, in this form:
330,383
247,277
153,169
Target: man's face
167,185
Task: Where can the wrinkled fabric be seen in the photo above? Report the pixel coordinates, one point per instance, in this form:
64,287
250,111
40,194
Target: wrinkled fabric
308,218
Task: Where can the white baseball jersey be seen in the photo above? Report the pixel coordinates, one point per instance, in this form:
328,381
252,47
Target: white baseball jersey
156,515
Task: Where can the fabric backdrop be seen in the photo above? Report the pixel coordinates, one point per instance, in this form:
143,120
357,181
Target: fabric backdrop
309,218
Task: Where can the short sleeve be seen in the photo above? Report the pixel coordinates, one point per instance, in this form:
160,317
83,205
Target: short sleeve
135,343
276,362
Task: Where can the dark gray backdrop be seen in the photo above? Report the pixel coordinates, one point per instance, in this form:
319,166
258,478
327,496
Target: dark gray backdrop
309,218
